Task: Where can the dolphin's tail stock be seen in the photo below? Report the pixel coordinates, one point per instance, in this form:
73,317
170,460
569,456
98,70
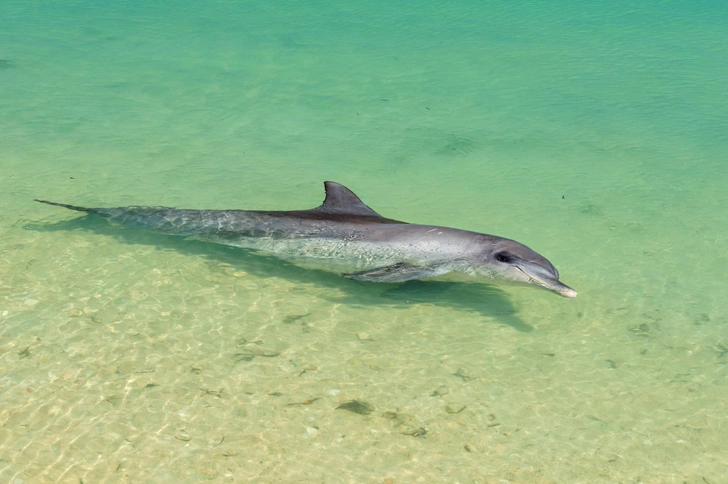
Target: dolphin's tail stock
72,207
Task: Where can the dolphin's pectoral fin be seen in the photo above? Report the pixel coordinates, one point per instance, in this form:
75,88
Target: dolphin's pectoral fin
400,272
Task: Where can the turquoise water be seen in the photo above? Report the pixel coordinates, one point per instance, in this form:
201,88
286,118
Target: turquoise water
594,133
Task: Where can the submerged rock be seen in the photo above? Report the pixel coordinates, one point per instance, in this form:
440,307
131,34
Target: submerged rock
362,408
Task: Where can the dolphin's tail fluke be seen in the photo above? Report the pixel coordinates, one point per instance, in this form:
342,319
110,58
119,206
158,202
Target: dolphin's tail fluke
72,207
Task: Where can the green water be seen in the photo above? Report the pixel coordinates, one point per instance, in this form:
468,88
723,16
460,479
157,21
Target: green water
595,133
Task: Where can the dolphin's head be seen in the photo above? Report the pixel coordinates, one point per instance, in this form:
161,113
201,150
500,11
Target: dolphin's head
512,261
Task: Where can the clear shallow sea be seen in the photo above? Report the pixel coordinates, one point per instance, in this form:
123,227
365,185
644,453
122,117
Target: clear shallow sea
595,133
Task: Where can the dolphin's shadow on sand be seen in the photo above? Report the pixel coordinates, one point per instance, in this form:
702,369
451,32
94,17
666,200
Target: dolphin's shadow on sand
487,300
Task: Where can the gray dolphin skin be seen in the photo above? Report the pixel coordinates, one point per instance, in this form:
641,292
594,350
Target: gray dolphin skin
345,236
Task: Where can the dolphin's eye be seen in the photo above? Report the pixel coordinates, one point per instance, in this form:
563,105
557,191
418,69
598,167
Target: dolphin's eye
502,257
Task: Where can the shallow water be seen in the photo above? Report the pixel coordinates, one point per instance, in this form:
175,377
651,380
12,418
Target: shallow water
596,134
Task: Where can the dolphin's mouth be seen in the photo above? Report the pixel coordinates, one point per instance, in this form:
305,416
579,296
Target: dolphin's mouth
549,283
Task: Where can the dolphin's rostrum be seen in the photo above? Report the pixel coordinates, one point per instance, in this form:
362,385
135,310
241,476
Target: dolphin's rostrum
344,235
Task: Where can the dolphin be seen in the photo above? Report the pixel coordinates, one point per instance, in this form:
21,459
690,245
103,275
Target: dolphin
345,236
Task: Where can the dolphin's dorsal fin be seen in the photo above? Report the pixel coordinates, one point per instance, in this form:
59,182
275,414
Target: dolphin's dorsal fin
341,200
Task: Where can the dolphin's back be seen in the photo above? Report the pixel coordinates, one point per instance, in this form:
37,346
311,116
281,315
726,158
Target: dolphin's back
341,213
223,225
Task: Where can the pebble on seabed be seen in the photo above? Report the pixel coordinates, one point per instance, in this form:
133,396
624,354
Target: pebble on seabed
364,336
362,408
